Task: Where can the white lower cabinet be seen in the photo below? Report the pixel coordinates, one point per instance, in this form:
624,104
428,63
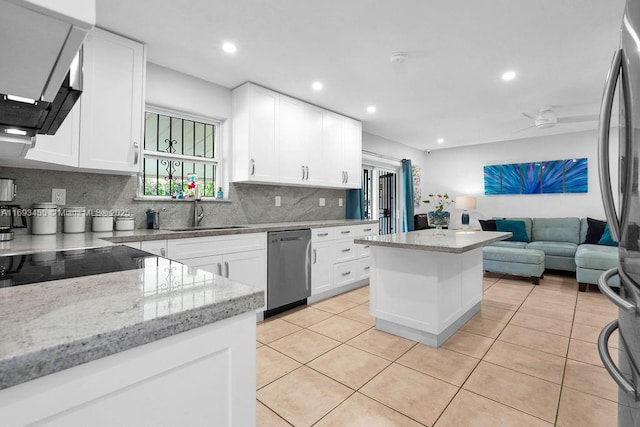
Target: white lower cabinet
337,261
156,247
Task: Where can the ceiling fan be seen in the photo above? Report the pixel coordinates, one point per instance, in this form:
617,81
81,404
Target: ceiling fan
546,118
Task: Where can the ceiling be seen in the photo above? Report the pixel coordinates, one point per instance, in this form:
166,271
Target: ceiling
450,85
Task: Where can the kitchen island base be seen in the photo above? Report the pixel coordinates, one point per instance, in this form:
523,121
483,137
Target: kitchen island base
422,295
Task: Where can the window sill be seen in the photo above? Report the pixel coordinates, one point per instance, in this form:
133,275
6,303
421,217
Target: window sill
170,200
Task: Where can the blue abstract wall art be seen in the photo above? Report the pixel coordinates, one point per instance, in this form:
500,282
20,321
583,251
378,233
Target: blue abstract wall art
554,176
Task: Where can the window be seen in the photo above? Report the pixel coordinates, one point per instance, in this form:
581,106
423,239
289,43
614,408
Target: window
175,149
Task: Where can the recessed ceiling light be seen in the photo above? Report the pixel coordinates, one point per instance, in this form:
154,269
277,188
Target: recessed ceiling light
13,131
317,86
440,141
229,47
21,99
509,75
371,109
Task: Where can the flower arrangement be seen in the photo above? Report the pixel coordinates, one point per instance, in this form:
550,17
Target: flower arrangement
440,201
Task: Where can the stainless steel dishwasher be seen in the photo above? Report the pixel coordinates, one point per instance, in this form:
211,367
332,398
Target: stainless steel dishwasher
288,269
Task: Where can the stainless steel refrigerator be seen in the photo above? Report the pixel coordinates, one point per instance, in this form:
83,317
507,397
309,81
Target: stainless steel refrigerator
624,222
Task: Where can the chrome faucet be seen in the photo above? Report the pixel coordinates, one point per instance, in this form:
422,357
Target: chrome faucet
198,211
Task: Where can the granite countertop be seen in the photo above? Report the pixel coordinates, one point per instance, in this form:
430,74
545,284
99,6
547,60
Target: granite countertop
50,326
27,243
454,241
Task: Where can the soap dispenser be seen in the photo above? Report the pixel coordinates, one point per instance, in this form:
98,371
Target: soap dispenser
219,194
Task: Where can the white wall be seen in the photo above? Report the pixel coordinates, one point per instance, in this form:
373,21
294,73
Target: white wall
460,171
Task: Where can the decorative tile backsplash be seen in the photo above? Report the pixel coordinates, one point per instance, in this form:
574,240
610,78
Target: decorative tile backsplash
248,203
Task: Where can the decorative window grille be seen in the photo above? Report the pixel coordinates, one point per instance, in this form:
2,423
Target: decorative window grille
175,147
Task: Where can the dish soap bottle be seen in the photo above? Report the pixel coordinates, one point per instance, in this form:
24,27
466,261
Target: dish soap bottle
219,194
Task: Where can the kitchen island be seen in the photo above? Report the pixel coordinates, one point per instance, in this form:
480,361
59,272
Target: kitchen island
159,344
424,287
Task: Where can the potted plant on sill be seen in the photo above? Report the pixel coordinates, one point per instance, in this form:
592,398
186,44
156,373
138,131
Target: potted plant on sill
439,217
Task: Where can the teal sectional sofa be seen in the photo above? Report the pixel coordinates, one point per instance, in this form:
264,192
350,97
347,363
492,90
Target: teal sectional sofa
561,241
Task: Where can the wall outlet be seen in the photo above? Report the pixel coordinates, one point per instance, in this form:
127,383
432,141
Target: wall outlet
340,202
322,202
278,201
59,196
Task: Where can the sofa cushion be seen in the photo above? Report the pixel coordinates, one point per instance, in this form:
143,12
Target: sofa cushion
596,257
488,224
516,227
527,224
522,256
508,244
564,249
607,238
556,230
595,229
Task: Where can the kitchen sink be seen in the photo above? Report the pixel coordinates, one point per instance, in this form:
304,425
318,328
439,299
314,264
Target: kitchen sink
227,227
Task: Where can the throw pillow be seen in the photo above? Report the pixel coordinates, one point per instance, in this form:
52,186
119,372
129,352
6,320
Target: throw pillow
488,224
516,227
595,229
606,238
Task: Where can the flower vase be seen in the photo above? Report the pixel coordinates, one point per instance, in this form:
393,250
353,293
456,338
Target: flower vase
438,219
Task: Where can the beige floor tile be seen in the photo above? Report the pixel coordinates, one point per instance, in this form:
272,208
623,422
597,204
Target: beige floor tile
507,292
593,319
495,313
527,361
537,340
360,411
520,391
304,345
590,334
273,329
357,295
408,392
339,328
579,409
593,296
516,281
271,365
471,410
566,315
306,316
587,352
485,327
265,417
544,299
555,289
360,313
335,306
544,324
258,344
606,309
511,286
303,396
350,366
441,363
470,344
501,302
381,344
486,285
590,379
534,302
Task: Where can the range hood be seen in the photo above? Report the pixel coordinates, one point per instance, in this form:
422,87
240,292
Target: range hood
40,70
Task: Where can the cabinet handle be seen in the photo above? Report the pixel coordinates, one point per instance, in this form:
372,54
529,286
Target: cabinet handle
136,152
253,167
346,273
367,229
343,177
303,172
307,169
162,252
226,266
315,256
366,247
219,269
323,234
346,250
346,180
345,232
367,268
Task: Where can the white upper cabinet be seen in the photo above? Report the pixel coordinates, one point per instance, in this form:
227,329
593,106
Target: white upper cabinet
281,140
104,130
255,134
112,103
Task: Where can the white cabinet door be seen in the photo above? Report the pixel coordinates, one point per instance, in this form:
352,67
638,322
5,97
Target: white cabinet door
61,148
292,141
322,260
247,267
111,103
352,153
211,263
315,150
332,145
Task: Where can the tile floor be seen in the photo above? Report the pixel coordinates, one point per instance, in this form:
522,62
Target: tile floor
528,358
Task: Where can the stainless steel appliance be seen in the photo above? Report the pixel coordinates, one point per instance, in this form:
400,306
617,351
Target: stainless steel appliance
288,269
625,224
10,215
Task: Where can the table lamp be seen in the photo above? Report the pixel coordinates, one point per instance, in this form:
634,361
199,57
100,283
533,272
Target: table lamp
465,203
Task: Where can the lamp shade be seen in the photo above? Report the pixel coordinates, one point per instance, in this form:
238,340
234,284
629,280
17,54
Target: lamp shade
465,202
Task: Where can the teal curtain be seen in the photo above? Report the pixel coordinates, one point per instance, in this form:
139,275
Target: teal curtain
407,191
355,204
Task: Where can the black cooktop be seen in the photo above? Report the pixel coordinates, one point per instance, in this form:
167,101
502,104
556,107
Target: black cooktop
44,266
